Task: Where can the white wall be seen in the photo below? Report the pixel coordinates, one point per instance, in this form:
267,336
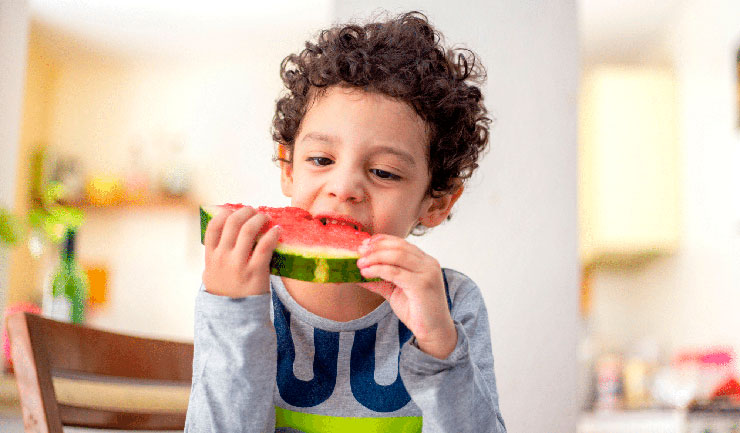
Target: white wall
690,300
220,103
222,110
514,229
13,41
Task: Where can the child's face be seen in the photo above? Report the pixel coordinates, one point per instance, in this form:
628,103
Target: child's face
363,156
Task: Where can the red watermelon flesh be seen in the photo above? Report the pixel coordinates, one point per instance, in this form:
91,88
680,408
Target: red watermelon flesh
301,230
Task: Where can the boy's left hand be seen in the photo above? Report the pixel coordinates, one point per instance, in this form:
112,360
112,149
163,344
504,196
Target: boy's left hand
414,286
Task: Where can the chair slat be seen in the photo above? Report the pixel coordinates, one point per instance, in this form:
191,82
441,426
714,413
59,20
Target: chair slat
94,351
75,416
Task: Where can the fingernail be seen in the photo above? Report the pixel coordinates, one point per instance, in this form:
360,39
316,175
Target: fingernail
362,249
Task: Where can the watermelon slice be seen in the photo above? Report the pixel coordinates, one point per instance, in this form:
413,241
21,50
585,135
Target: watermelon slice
309,249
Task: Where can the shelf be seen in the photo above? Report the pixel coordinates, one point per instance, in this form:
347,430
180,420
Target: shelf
154,202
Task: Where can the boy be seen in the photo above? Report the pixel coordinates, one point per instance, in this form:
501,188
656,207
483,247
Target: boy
379,128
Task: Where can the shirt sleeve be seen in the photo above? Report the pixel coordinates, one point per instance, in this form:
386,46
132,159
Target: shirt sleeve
458,393
234,365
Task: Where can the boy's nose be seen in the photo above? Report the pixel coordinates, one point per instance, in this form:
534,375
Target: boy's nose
347,187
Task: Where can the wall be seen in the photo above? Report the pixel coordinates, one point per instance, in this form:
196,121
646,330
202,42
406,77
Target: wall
690,300
514,229
218,102
13,37
40,79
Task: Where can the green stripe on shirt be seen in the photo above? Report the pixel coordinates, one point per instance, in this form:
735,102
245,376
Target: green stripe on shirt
312,423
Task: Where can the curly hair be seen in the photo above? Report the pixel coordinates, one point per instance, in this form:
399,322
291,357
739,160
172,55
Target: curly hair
402,58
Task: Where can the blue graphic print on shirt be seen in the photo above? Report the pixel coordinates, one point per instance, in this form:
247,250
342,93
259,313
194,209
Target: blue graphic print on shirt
380,398
301,393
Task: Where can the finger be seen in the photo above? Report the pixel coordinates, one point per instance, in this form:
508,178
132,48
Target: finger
264,248
233,226
215,228
391,243
383,288
386,241
248,234
394,274
396,256
380,237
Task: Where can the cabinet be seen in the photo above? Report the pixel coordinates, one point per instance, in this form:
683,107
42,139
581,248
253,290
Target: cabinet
628,165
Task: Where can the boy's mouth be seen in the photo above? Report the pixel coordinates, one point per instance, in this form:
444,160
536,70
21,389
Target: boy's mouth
340,220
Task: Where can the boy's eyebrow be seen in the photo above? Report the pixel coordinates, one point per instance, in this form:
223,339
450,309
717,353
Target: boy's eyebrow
317,136
392,150
329,139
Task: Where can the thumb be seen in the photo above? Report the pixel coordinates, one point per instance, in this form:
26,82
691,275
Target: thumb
383,288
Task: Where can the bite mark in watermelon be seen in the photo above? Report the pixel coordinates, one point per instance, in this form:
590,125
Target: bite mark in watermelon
309,249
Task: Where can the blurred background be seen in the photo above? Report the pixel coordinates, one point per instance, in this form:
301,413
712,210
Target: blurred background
603,225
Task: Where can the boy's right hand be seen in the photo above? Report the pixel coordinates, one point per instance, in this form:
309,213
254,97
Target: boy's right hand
235,267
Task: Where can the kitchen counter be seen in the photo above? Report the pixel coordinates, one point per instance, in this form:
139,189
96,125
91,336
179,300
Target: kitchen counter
633,421
722,407
697,418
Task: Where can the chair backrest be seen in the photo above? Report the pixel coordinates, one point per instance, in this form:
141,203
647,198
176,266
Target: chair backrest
43,348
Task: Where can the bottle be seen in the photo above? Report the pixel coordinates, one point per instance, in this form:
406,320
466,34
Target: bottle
136,179
609,382
69,285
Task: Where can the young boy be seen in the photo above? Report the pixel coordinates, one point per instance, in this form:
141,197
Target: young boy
379,128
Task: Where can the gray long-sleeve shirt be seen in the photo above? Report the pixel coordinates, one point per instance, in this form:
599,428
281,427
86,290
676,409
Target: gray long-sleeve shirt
264,363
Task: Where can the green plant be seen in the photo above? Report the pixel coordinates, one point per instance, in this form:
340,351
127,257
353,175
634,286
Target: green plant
53,218
49,217
10,228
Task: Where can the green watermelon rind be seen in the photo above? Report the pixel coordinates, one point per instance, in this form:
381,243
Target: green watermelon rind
288,262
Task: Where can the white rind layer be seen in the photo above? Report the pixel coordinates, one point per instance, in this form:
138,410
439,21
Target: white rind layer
317,251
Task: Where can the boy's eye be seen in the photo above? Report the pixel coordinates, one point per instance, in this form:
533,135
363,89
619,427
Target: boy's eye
384,174
319,160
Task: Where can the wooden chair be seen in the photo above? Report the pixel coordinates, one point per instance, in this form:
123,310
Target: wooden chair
43,348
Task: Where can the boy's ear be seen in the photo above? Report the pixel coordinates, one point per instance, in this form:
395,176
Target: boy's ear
286,178
439,208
